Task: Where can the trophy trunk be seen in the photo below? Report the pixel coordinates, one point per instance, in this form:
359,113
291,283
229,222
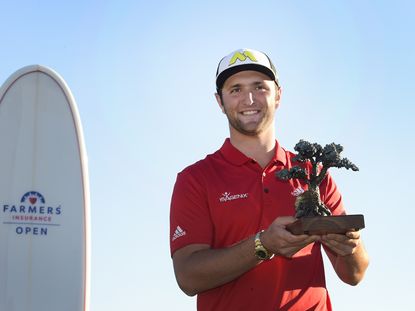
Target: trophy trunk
309,204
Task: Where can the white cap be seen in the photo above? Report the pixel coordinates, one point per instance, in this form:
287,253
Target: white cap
244,59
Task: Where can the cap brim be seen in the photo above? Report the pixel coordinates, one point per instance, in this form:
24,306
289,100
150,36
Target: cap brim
221,78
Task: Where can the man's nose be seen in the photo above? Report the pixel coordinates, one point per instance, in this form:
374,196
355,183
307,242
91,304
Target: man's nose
250,98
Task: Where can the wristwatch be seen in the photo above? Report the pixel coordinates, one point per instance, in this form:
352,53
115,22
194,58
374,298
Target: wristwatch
260,251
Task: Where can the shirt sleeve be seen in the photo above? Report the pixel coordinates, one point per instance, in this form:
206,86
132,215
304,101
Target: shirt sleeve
331,196
190,221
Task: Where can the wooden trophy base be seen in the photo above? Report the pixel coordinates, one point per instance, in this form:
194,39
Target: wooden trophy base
320,225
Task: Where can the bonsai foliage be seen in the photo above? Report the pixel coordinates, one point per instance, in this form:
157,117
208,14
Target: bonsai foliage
321,159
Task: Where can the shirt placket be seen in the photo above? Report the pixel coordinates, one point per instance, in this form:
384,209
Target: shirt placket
266,180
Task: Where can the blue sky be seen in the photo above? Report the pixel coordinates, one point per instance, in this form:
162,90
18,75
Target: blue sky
142,73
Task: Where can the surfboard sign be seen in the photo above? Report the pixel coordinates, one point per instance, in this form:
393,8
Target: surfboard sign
44,195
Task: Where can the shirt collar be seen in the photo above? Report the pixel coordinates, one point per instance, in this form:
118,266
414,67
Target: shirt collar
236,157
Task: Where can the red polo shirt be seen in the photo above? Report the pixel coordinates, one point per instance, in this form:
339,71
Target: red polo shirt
226,198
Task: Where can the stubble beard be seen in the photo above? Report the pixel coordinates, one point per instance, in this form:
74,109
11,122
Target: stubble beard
245,129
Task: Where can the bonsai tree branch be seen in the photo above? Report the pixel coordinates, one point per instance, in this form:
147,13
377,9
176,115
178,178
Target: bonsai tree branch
321,159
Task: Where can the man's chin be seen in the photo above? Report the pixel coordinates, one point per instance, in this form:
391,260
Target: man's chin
248,131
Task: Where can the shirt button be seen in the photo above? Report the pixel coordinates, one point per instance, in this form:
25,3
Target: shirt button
266,190
264,174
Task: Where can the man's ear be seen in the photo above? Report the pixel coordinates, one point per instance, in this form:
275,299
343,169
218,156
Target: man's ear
219,101
278,92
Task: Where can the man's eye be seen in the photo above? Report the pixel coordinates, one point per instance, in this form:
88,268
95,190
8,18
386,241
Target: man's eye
259,88
235,91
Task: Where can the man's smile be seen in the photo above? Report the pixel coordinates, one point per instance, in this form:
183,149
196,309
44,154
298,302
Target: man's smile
250,112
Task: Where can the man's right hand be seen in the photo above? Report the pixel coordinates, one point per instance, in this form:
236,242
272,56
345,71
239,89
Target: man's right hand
278,240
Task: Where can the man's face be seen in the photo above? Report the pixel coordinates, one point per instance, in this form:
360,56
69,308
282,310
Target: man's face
249,100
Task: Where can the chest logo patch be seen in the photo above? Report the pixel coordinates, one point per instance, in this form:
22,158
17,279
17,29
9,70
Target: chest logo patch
297,191
227,196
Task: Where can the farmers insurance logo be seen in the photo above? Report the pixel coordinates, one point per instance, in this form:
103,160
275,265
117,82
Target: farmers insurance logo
32,216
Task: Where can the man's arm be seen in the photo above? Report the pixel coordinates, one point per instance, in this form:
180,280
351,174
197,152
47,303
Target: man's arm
347,255
199,268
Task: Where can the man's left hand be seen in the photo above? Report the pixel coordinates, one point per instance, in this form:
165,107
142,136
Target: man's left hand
342,244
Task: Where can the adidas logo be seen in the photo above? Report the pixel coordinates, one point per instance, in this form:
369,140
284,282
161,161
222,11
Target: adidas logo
297,192
178,233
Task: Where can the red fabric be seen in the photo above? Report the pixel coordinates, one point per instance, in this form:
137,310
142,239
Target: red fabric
228,197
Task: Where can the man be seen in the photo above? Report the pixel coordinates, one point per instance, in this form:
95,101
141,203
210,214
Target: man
228,213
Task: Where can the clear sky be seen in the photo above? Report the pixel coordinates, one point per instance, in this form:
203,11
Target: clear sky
142,73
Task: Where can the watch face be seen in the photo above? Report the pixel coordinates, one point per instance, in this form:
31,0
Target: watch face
261,254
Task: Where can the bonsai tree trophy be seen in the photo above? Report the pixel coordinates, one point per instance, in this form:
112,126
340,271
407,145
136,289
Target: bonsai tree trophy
313,216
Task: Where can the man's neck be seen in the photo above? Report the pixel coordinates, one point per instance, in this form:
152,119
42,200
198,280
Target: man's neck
261,148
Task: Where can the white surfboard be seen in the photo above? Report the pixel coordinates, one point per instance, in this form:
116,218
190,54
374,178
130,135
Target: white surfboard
44,196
